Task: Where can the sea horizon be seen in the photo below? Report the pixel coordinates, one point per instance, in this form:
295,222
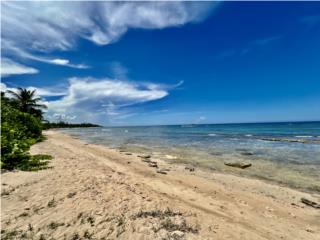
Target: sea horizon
222,123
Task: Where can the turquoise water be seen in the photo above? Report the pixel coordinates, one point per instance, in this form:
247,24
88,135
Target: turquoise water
288,153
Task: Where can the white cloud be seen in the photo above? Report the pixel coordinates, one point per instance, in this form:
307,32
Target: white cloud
9,48
9,67
48,92
95,100
46,26
106,92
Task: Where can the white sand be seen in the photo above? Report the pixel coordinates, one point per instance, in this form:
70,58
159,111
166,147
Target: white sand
101,190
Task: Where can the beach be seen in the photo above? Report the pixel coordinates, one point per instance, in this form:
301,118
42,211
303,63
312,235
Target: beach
95,192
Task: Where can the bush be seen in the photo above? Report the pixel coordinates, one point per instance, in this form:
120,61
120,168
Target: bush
19,131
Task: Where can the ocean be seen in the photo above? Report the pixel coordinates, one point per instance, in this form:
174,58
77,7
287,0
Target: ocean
286,153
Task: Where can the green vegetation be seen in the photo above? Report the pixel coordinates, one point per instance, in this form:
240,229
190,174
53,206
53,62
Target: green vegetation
62,124
21,127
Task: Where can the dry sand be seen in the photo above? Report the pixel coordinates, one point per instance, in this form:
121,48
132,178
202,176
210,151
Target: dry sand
92,192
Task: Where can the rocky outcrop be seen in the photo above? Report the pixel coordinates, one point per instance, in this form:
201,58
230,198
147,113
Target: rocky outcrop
238,164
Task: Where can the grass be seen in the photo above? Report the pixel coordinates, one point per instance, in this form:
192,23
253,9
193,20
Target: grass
24,214
6,192
11,234
36,162
75,236
55,225
87,235
157,214
91,220
71,194
170,226
30,227
120,221
52,203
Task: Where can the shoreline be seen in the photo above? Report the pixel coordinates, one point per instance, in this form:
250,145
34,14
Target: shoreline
284,173
128,199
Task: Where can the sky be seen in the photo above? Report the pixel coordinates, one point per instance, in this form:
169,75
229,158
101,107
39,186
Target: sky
150,63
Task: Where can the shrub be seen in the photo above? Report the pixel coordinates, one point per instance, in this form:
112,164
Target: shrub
19,131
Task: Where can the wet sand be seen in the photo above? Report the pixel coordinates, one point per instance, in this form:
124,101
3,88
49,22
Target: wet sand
93,192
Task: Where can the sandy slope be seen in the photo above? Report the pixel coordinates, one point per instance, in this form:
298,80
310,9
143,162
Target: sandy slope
99,193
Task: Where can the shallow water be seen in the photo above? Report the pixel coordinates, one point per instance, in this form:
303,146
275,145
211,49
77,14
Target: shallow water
288,153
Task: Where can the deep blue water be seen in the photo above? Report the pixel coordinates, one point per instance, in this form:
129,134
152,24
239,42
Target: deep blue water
210,145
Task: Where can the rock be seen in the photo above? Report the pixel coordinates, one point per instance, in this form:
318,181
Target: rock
171,157
216,153
310,203
241,149
146,160
191,169
238,164
161,171
144,156
177,234
128,153
152,164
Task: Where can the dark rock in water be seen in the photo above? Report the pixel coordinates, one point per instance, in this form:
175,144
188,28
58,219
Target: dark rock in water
246,153
291,140
216,153
238,164
310,203
241,150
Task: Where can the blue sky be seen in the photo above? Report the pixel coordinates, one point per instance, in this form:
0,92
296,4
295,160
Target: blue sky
166,62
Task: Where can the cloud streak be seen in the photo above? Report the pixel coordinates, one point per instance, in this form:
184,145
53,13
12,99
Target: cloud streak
11,50
9,67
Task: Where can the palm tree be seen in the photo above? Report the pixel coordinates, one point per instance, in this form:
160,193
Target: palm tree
27,101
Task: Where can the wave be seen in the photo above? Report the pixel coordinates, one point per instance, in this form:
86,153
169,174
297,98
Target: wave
248,135
302,136
212,134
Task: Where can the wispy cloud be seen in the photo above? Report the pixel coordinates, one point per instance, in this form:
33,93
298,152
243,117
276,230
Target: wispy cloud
252,45
266,41
118,70
9,67
43,26
11,50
